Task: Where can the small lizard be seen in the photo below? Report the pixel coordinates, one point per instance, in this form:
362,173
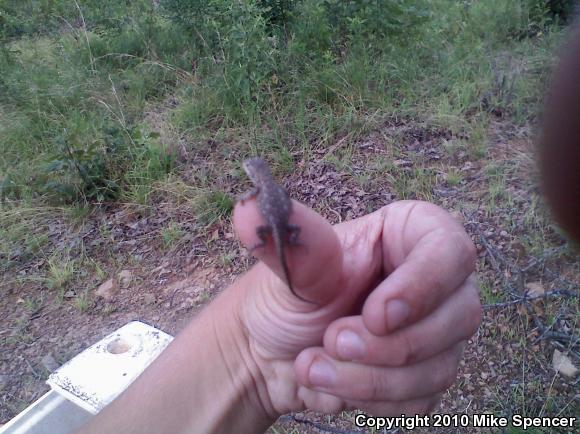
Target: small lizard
275,206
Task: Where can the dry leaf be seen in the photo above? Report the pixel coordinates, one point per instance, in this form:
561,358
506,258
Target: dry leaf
125,278
563,365
535,289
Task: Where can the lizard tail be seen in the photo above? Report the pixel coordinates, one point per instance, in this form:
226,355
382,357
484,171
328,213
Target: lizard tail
282,256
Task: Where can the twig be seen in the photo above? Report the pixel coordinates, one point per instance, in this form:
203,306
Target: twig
561,337
321,427
552,336
494,257
490,252
526,298
173,296
564,348
36,374
547,254
86,38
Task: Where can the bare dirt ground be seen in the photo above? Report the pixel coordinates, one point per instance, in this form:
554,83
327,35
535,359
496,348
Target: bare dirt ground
174,272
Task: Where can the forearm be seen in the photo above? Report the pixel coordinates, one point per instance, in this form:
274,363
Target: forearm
204,382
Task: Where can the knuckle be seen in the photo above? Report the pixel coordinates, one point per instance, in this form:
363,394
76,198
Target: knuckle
474,315
425,406
445,376
408,351
378,386
433,403
467,247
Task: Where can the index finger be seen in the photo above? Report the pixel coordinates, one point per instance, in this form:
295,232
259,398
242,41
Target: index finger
430,254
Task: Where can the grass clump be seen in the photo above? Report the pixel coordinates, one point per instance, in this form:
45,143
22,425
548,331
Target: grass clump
76,80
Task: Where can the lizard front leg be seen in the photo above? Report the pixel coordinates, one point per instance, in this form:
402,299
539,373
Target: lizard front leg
250,194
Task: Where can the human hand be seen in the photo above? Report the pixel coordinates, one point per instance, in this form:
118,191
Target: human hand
395,298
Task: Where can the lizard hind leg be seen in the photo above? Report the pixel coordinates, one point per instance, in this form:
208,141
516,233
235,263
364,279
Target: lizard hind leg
293,234
263,232
293,237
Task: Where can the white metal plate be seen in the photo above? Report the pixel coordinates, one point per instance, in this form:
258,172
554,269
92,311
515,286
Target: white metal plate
100,373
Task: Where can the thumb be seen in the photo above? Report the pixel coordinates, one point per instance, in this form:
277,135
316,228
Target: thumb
314,262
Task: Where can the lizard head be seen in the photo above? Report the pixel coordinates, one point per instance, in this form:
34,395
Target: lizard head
257,169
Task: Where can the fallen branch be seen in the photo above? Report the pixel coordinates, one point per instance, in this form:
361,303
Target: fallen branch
323,427
549,294
554,337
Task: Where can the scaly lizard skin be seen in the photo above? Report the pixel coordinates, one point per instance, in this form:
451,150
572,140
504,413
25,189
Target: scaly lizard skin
275,206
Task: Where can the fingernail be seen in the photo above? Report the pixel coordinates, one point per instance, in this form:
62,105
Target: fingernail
349,345
322,373
397,312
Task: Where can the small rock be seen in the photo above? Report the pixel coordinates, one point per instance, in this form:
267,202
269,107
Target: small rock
467,166
125,278
403,163
69,294
504,234
535,289
108,289
149,299
49,362
3,381
563,365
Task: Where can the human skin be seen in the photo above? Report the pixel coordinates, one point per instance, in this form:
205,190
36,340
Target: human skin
395,302
559,145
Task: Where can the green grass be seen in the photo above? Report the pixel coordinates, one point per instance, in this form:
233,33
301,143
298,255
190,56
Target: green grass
74,97
171,234
60,274
211,206
83,302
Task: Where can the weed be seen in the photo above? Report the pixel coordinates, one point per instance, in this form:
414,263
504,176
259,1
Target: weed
204,297
79,212
171,234
33,304
488,294
211,206
453,177
60,274
496,192
417,183
83,301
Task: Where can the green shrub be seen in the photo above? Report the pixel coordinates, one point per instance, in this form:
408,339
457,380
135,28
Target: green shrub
75,83
33,17
563,9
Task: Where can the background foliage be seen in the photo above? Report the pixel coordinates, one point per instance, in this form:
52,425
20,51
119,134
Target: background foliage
77,75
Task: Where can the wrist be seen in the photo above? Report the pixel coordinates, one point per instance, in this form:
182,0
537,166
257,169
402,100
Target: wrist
205,382
236,365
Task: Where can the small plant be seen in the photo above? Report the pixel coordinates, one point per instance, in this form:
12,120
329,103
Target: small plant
226,259
60,274
497,191
416,184
453,177
82,302
171,234
33,304
204,297
79,212
211,206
